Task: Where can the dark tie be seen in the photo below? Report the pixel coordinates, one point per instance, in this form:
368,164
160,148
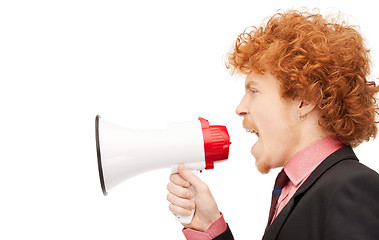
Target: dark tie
280,182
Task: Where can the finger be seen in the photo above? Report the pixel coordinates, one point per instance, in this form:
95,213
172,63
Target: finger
189,176
179,211
180,202
178,180
179,191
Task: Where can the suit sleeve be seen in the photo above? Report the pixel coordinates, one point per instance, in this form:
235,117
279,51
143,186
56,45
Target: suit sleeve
353,210
227,235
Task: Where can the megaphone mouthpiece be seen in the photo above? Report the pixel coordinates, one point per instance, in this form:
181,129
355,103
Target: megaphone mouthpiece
216,143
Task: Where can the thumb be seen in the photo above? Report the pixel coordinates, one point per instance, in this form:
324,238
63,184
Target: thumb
189,176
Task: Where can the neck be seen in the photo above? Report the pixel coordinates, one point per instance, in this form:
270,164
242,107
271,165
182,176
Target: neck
309,132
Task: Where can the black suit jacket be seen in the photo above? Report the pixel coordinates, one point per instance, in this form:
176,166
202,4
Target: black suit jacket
339,200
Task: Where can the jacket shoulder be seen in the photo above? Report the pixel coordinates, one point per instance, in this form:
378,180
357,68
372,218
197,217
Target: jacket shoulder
347,171
353,201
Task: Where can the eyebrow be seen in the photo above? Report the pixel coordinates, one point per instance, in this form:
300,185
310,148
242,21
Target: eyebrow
250,83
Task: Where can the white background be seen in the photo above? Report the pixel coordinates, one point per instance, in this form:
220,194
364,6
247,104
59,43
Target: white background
141,64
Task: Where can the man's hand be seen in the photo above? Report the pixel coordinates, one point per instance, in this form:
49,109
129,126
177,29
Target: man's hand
180,198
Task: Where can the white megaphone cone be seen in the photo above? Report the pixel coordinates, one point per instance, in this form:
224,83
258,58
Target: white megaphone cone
123,153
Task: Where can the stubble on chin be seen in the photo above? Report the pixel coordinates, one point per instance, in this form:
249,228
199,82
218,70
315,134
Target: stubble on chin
261,162
263,166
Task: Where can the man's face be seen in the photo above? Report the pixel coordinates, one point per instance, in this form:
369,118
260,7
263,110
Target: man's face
271,118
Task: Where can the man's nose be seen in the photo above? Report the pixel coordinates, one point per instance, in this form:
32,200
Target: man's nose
241,109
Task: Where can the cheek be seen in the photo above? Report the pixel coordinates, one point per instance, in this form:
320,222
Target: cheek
277,135
283,120
272,124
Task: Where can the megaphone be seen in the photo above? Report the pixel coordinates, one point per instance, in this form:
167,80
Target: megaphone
123,152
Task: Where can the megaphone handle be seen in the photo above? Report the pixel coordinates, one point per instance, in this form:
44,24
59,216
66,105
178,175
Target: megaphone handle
187,219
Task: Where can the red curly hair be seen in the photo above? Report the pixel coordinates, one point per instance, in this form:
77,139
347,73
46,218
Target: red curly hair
317,60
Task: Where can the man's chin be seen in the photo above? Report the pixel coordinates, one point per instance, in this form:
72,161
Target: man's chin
263,166
261,162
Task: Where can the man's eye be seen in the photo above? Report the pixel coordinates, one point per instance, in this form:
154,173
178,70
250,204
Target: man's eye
253,90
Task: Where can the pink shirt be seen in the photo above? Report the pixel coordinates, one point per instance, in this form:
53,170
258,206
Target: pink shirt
297,169
216,228
302,165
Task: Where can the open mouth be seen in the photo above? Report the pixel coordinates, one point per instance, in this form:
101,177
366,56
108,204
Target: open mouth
252,130
250,127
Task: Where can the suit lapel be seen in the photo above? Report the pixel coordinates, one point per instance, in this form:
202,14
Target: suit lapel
273,230
341,154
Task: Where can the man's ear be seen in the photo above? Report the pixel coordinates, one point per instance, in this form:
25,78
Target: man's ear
305,107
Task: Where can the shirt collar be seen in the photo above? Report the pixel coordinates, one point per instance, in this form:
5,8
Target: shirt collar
306,160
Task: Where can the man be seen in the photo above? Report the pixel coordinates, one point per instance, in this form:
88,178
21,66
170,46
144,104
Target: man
308,99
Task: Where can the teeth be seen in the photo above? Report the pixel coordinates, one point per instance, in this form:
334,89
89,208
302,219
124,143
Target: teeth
252,131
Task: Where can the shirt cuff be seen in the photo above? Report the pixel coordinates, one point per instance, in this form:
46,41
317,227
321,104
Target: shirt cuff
217,227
